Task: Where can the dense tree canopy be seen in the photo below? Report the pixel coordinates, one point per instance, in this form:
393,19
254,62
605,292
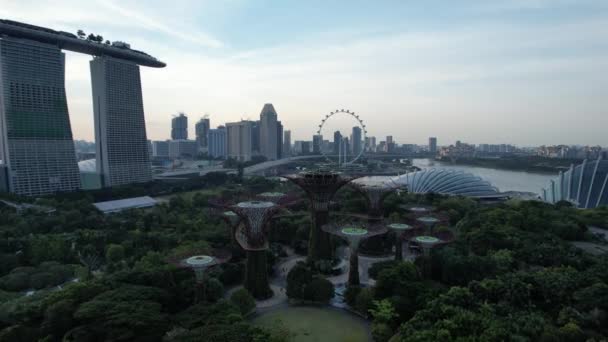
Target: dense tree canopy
512,272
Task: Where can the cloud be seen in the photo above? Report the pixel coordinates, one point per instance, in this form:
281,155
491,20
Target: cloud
528,5
105,16
152,24
480,81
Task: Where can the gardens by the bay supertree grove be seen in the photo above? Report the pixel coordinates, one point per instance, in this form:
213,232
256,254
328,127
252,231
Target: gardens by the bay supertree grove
223,255
354,231
320,187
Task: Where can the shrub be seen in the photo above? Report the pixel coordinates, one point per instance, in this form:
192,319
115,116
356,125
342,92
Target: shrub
303,284
231,273
364,301
15,282
297,279
62,272
319,290
214,290
42,280
115,253
375,269
350,295
58,318
381,332
243,300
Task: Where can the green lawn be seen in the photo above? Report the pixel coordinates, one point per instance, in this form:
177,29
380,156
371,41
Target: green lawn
310,324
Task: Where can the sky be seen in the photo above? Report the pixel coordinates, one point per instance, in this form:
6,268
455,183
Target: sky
526,72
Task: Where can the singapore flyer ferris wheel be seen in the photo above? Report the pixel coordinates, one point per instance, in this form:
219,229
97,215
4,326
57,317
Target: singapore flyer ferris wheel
348,152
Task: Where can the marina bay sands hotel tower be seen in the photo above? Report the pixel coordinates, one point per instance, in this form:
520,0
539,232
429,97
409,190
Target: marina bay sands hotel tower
37,154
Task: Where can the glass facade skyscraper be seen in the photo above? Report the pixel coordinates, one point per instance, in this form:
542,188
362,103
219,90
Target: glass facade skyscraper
36,142
268,132
120,129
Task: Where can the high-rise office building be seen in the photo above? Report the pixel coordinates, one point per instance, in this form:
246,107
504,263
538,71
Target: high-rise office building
337,142
36,144
201,129
433,145
239,142
179,127
317,143
255,137
390,144
120,128
279,140
268,132
217,142
286,144
301,147
356,140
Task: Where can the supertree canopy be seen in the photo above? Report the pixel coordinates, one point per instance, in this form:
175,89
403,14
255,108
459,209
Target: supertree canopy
429,222
273,197
199,261
417,209
320,186
374,192
354,232
426,242
399,229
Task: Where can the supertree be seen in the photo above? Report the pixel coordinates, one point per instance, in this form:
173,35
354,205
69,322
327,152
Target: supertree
374,192
354,232
320,186
273,197
199,261
417,209
251,235
429,222
427,243
399,229
232,220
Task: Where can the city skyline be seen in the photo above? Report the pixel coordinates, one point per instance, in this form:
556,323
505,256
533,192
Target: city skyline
434,75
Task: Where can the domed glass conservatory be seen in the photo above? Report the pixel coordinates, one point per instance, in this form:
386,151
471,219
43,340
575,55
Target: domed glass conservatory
584,185
447,182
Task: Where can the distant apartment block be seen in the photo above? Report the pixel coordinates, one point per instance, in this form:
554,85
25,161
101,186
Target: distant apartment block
160,148
432,145
183,148
239,140
179,127
201,129
218,142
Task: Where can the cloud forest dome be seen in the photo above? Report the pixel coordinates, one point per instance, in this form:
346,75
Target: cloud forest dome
585,185
446,181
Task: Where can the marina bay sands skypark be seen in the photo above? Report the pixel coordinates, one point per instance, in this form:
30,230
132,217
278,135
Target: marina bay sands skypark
36,146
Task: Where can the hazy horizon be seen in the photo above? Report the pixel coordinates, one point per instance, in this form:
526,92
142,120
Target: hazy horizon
525,72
